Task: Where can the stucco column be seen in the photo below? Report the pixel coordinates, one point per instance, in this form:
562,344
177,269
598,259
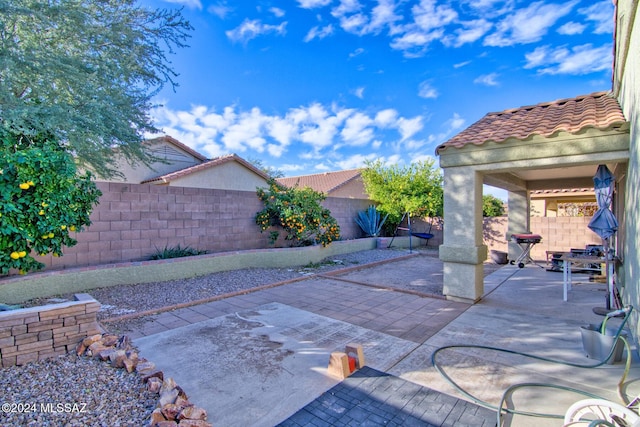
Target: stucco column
463,251
519,219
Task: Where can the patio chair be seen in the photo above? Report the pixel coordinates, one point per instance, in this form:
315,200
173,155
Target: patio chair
601,413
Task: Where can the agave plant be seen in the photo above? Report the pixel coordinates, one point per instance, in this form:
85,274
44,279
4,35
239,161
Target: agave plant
369,221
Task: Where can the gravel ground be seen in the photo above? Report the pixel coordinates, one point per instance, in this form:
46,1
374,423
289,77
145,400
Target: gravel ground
73,391
112,397
118,300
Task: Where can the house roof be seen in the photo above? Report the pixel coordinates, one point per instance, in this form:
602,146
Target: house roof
322,182
598,110
206,165
178,144
563,192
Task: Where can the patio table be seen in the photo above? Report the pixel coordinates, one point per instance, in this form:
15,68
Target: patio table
569,260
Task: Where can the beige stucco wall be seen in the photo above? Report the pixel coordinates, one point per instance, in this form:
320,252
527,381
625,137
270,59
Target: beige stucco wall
353,190
627,89
227,176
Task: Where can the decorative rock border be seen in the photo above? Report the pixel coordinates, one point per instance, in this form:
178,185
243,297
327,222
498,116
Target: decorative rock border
174,408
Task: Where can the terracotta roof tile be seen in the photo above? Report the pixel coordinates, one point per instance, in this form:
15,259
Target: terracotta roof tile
206,165
323,182
571,191
598,110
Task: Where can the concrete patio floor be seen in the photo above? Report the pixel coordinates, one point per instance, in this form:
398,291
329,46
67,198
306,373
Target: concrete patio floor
291,329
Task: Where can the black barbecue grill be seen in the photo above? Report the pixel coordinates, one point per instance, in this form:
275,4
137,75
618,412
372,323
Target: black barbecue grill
526,242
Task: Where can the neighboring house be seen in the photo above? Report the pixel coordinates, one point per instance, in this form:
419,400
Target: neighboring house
172,156
563,202
230,172
548,146
345,184
179,165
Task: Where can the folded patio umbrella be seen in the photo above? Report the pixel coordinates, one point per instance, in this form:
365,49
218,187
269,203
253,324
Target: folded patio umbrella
604,222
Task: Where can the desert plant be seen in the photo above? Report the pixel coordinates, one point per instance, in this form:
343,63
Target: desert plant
370,222
176,252
299,213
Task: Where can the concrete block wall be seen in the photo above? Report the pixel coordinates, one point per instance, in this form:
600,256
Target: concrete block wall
32,334
132,221
559,234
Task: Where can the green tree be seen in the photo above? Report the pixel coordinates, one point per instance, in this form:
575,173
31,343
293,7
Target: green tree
415,189
43,200
299,213
84,72
492,206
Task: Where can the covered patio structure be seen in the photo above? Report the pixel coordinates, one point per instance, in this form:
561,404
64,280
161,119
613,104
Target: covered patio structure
545,146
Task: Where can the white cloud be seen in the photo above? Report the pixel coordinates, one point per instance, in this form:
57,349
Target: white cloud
571,28
414,44
528,25
319,33
487,79
471,31
455,123
221,10
357,130
277,12
191,4
461,64
359,51
386,118
429,16
345,7
425,90
490,8
355,161
312,4
578,60
359,92
409,127
382,15
250,29
601,14
288,167
326,130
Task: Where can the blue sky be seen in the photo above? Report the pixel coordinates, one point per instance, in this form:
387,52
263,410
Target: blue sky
307,86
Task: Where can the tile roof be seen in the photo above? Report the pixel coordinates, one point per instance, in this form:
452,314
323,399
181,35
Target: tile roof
178,144
563,191
206,165
598,110
322,182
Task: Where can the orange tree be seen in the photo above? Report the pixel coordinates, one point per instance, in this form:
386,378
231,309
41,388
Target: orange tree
299,213
43,200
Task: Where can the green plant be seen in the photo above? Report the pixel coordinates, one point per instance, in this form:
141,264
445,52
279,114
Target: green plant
44,200
415,189
176,252
299,213
86,72
369,221
492,206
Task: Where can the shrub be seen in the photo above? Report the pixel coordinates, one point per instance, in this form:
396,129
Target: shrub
176,252
492,206
369,221
44,200
299,213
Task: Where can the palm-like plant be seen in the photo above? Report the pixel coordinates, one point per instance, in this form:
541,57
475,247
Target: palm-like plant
370,222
